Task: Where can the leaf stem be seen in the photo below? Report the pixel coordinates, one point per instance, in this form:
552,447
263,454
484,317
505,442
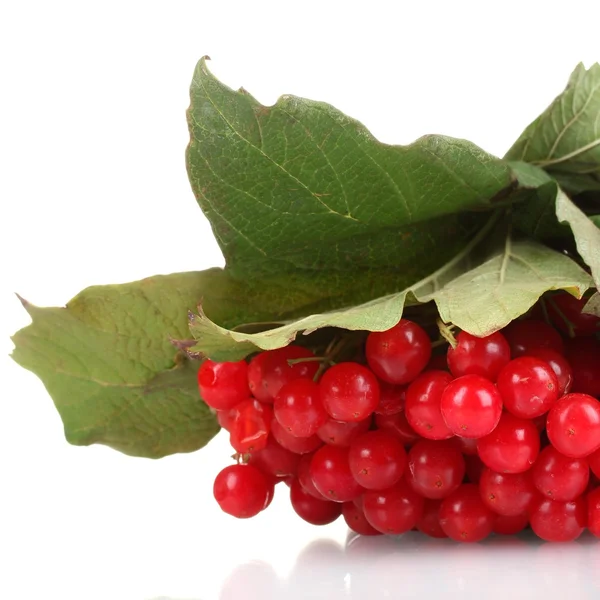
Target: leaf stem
561,314
446,332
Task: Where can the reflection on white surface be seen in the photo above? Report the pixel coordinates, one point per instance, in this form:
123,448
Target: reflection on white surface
415,567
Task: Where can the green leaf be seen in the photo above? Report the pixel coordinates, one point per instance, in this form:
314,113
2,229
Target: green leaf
593,305
113,374
565,138
595,219
302,197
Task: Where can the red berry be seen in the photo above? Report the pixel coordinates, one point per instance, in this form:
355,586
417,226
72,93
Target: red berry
269,371
471,406
423,405
437,363
504,525
305,478
559,477
594,462
582,324
341,433
241,491
349,391
593,515
584,357
377,459
467,446
250,427
223,384
573,425
225,419
391,399
555,521
330,472
299,409
478,356
294,444
393,511
275,460
399,426
429,523
312,510
512,447
464,517
523,336
356,520
528,387
435,469
399,354
560,366
507,494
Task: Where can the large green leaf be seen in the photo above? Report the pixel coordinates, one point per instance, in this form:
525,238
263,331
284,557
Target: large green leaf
565,138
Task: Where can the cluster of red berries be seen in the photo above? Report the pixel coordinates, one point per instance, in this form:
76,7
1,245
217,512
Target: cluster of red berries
498,434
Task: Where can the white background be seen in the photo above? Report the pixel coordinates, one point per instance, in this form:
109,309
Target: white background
93,190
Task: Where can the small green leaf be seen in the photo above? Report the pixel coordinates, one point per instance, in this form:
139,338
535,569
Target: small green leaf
595,219
593,305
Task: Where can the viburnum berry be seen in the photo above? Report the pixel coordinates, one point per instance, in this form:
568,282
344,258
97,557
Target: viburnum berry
377,460
429,523
399,354
555,521
393,511
508,494
467,446
294,444
305,479
594,463
559,477
399,426
223,384
269,371
583,355
311,509
593,512
349,392
573,425
331,474
474,468
478,356
341,433
423,405
559,364
241,491
569,319
523,336
504,525
225,419
250,425
464,517
275,460
392,399
435,468
471,406
299,409
356,520
512,447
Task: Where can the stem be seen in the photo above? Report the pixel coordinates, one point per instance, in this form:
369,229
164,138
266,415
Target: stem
439,343
561,314
294,361
545,310
446,333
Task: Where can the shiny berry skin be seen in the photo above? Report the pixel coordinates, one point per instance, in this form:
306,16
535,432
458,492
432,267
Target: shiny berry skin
555,521
391,399
399,426
223,384
512,447
559,477
250,427
423,405
573,425
471,406
241,491
356,520
275,460
594,463
522,336
225,419
466,445
464,517
393,511
504,525
269,371
377,460
312,510
528,387
478,356
429,523
435,469
330,472
506,493
299,409
593,514
294,444
349,392
399,354
341,433
303,475
583,355
582,324
559,364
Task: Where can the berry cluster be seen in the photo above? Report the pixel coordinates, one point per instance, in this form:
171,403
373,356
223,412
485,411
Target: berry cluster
498,434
